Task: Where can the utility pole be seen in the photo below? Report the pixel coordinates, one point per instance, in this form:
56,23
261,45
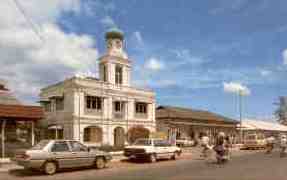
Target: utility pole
240,115
79,113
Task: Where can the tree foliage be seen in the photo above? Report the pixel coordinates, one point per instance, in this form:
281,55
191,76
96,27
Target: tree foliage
281,111
137,132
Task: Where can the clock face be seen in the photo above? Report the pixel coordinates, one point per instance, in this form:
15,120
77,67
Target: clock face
118,44
110,44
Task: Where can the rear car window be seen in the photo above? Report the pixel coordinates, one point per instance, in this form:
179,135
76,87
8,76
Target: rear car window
161,143
77,146
60,147
40,145
251,137
143,142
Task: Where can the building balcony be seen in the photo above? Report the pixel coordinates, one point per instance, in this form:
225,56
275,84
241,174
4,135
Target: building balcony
141,115
118,115
93,112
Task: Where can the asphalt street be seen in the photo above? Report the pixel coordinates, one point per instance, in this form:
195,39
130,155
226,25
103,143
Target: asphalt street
247,166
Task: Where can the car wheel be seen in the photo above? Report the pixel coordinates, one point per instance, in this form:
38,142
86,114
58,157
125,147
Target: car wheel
152,158
175,155
100,163
50,168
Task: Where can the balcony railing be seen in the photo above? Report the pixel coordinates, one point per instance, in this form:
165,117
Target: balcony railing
119,115
141,115
93,112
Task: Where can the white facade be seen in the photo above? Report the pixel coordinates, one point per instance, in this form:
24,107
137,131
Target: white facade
90,109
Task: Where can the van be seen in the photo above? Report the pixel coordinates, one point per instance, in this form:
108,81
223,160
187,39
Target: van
254,141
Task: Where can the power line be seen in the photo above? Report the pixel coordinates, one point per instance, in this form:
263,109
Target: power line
29,20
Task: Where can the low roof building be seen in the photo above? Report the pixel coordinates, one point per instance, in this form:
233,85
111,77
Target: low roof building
191,123
251,124
12,111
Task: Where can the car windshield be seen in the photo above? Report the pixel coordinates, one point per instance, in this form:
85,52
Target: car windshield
40,145
251,137
143,142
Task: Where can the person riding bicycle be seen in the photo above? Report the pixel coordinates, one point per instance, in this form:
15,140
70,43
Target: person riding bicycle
221,148
270,141
283,145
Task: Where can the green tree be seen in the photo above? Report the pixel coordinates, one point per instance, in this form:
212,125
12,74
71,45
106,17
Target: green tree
281,111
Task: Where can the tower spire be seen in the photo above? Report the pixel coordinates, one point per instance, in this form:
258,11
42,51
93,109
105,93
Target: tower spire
114,43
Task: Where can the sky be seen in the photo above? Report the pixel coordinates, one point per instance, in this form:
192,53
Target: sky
195,54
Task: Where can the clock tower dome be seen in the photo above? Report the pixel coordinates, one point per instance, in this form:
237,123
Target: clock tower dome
115,67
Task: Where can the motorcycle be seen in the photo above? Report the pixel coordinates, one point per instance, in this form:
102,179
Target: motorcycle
269,148
222,154
283,151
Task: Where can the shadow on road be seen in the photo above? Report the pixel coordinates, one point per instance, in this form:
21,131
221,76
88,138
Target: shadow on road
27,172
141,161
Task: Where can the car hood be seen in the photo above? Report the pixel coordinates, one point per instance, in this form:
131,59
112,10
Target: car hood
99,152
137,147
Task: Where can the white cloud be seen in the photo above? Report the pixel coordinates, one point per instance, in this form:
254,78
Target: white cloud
138,37
136,42
265,72
228,5
234,87
39,11
285,57
186,57
154,64
108,22
29,64
72,50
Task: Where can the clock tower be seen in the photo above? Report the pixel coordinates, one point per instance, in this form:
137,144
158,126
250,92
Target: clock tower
115,66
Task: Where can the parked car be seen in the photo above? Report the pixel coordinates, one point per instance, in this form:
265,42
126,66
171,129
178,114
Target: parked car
254,141
184,142
152,149
52,155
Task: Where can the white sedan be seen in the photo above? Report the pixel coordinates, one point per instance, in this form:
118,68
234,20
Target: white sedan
152,149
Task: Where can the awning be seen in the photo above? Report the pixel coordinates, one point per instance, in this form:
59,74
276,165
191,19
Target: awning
58,96
56,127
21,112
248,124
44,101
147,101
204,124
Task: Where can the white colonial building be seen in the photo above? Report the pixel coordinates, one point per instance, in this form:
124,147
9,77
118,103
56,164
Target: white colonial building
104,111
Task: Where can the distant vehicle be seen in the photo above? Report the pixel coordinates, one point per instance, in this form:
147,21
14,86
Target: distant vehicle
184,142
51,155
152,149
254,141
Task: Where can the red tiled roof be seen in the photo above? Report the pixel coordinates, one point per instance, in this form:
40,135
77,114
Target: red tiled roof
165,112
21,112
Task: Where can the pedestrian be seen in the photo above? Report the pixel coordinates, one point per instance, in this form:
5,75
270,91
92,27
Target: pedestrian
270,144
204,144
221,148
283,145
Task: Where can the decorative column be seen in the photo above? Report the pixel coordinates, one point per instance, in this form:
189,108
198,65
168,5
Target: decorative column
32,133
3,138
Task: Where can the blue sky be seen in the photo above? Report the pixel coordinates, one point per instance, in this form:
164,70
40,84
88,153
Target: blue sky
188,49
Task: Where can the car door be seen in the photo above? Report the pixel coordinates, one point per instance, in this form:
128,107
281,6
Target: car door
81,154
159,148
60,151
167,148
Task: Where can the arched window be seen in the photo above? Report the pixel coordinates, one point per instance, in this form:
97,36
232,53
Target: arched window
137,132
119,137
119,75
93,134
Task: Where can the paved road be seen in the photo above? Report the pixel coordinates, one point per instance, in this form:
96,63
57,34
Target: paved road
247,166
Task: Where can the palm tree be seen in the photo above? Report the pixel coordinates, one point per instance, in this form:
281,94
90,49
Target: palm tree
281,111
